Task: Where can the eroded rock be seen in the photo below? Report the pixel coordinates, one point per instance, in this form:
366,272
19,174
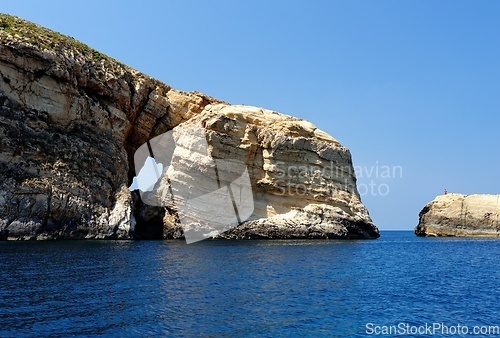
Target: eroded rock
71,119
461,215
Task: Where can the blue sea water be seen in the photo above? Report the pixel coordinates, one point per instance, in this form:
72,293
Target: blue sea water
247,288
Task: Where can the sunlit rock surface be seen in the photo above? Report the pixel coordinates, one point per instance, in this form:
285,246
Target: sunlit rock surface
71,119
461,215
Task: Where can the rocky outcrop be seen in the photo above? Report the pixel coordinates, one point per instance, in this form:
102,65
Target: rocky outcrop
71,119
461,215
302,179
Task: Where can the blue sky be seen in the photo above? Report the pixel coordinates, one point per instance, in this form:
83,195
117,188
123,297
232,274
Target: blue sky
407,84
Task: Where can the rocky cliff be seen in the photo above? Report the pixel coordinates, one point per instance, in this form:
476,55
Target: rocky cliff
461,215
71,119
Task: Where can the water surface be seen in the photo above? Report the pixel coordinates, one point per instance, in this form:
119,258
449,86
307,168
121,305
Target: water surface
246,288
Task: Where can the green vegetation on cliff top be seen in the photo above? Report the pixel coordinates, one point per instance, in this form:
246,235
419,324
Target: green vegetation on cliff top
46,39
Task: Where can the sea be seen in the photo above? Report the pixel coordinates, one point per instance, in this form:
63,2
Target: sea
397,285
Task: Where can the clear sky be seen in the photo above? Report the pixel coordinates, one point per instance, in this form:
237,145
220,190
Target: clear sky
410,85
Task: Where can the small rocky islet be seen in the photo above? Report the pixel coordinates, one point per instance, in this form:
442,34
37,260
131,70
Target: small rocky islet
461,216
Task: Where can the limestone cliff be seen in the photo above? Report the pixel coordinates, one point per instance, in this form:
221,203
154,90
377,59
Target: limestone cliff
71,119
461,215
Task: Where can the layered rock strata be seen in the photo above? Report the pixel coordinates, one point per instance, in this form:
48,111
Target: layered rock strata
71,119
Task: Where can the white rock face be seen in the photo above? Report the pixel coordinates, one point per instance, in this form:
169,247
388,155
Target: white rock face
71,120
302,179
461,215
